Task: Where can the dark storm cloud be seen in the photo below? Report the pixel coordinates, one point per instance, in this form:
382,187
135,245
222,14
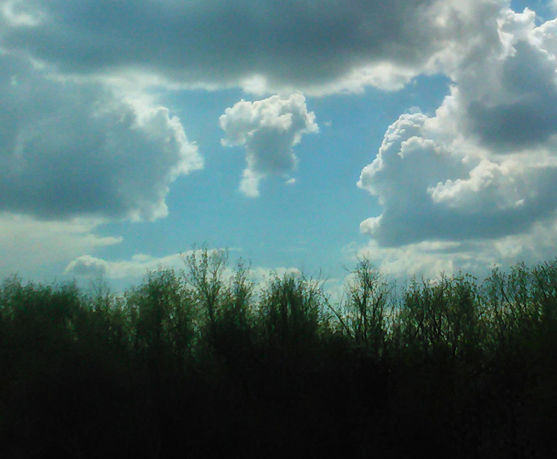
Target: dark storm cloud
290,43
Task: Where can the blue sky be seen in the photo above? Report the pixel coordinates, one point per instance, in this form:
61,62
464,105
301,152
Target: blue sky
297,135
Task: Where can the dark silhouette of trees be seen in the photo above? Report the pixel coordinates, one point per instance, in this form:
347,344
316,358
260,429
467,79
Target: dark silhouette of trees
203,363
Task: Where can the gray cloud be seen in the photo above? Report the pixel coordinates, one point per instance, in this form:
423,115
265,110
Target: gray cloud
69,148
268,129
485,166
304,45
523,109
430,259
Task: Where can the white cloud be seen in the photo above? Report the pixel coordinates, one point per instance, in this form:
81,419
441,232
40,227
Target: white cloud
136,267
262,275
407,165
87,266
140,264
431,258
70,148
27,244
483,169
15,14
268,129
265,46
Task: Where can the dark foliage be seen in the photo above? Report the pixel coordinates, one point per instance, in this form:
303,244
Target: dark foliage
199,364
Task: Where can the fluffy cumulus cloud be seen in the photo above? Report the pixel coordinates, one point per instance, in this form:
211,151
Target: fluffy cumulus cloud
474,178
71,148
483,169
268,129
313,46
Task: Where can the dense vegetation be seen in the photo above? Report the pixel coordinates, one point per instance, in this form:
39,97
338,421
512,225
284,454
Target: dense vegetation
195,364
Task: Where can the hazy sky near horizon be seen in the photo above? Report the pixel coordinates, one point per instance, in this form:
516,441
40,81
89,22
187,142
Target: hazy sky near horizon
297,134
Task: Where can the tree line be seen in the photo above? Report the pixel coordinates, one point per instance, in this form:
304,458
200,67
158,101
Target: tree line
198,363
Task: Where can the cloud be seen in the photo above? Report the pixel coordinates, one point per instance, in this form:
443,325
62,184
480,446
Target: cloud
87,266
408,163
70,148
429,259
268,129
509,101
136,267
264,46
140,264
29,244
262,276
483,169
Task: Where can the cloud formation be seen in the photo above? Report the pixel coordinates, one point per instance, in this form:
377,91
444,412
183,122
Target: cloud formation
87,266
136,267
432,258
139,265
29,244
264,46
268,129
70,148
484,167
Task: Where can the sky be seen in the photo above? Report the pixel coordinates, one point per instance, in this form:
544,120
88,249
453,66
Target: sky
298,135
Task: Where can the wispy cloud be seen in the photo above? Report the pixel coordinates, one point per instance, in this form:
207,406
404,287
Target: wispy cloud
27,243
139,265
